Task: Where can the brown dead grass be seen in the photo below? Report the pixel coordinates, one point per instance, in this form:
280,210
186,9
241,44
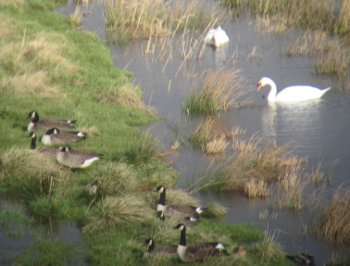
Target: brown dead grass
211,136
15,3
256,188
25,62
311,43
255,160
332,223
127,95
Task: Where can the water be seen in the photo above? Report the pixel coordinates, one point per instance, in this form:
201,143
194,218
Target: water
317,130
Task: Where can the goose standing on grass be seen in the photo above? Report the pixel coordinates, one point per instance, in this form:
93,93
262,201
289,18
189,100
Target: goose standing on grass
55,136
200,252
48,151
216,37
47,123
184,209
75,159
297,93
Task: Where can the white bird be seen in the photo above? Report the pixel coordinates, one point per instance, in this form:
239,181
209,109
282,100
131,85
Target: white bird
296,93
216,37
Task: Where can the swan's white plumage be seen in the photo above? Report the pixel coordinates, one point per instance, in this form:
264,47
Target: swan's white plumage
296,93
216,37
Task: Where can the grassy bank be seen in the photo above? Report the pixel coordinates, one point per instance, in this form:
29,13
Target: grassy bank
50,66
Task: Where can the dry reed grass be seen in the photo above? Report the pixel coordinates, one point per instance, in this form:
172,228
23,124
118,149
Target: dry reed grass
210,136
113,210
335,61
277,24
216,145
76,17
290,190
311,43
332,223
219,91
258,161
256,188
343,22
142,19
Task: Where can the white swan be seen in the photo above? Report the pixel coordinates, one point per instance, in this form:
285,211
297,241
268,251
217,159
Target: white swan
216,37
291,94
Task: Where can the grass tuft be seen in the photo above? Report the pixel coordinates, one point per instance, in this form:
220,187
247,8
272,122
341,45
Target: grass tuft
111,211
219,91
332,222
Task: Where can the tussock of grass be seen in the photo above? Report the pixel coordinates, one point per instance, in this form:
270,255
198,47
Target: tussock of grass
219,91
256,166
216,145
35,83
113,210
215,210
25,174
290,190
210,136
332,223
115,178
127,95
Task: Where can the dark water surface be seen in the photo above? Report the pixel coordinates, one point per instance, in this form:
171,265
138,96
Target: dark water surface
318,130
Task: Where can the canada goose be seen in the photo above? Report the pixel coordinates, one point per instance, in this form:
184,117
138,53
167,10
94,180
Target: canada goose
199,252
185,209
151,248
55,136
48,151
76,159
47,123
301,258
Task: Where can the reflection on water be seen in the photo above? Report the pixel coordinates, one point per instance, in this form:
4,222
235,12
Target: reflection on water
313,129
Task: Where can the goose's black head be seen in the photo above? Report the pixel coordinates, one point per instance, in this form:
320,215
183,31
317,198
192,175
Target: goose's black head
34,116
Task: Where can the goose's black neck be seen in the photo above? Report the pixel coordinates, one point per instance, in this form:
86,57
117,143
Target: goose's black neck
33,143
183,237
162,197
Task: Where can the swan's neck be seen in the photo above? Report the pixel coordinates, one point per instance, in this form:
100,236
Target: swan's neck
273,91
